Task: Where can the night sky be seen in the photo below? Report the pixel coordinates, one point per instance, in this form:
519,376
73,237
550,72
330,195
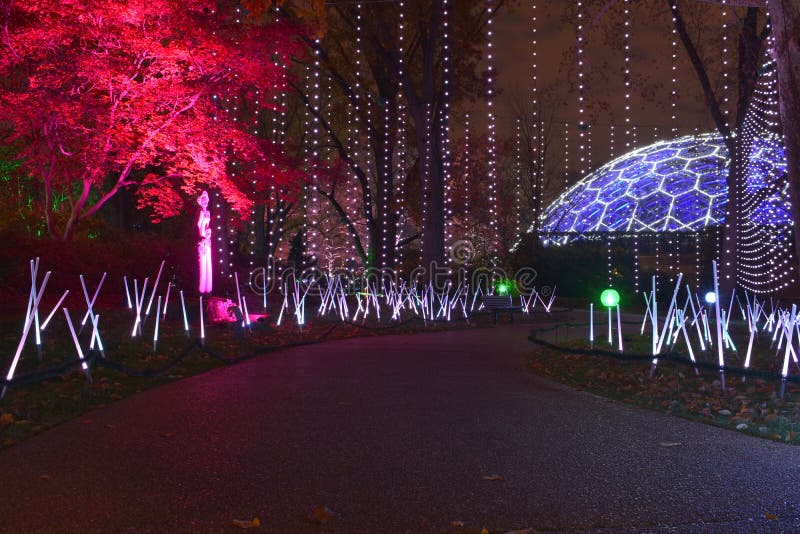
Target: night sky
651,63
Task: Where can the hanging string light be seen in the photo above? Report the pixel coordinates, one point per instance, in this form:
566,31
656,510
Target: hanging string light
491,140
581,85
533,152
566,156
518,179
400,163
444,131
466,173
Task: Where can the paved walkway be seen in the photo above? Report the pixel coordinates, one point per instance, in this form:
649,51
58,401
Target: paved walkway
393,434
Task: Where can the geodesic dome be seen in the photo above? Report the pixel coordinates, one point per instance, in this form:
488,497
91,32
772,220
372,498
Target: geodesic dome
670,186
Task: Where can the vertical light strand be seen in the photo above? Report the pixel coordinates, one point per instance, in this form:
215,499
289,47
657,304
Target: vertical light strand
673,104
581,85
629,133
566,156
307,162
466,172
444,132
518,180
532,153
386,177
697,256
491,140
316,160
361,106
611,142
400,141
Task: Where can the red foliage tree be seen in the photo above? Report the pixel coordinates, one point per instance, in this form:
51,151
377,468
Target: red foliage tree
101,95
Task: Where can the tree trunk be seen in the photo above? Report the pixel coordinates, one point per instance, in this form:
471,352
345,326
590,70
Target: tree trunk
258,232
432,199
785,17
739,155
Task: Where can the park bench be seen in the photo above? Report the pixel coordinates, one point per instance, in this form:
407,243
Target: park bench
498,303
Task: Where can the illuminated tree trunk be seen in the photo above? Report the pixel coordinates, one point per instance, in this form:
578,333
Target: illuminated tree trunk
785,17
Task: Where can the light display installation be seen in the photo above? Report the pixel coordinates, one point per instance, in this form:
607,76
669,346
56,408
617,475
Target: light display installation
670,186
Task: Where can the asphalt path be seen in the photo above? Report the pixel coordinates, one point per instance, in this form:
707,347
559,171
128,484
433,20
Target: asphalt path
406,433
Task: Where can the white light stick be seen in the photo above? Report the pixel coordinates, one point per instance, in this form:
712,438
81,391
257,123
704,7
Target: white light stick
96,334
591,323
185,319
670,312
246,313
155,288
749,349
34,275
284,305
127,292
26,329
166,300
139,302
265,289
619,328
77,346
238,291
720,346
202,323
158,316
654,318
94,298
648,313
696,320
789,335
50,316
610,335
90,310
682,328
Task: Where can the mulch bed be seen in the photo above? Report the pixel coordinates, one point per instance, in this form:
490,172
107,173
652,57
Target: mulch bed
750,405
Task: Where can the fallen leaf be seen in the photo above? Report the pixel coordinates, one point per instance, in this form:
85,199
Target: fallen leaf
167,434
254,523
44,477
86,422
322,515
493,477
669,444
457,523
771,516
109,426
484,530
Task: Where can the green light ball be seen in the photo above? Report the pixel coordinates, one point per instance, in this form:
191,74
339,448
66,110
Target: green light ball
502,288
609,298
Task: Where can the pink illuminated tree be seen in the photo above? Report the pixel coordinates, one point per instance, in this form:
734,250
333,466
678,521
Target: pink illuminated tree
101,96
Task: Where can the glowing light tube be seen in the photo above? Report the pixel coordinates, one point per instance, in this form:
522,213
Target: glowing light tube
50,316
155,288
185,319
26,329
75,340
202,323
94,297
127,292
158,316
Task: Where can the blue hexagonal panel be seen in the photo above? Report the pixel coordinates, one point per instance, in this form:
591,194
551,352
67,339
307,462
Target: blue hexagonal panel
669,186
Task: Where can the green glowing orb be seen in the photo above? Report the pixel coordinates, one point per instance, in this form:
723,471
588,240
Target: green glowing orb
503,288
609,298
